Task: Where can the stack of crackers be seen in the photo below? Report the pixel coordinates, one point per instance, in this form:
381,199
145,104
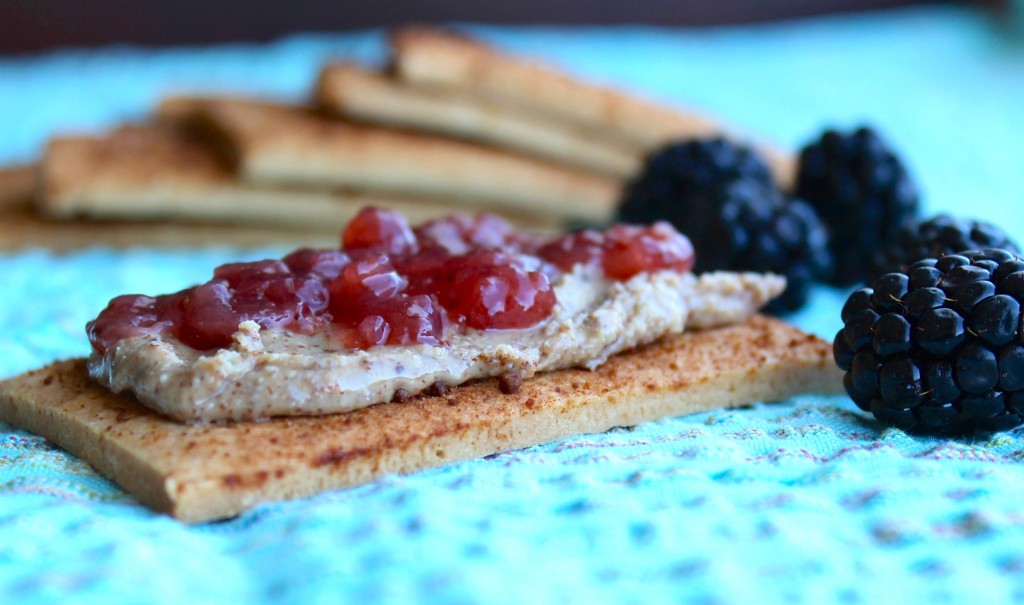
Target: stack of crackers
451,125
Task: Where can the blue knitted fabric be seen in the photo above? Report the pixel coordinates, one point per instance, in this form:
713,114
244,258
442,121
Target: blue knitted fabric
805,501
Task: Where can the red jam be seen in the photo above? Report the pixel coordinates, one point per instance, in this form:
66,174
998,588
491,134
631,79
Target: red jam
391,284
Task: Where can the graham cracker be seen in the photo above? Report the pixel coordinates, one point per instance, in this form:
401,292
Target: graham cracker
446,61
21,227
277,144
198,473
365,95
155,172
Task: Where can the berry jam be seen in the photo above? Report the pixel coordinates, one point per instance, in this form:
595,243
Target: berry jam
391,284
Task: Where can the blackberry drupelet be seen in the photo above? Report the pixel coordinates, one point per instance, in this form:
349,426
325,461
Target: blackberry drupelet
937,348
678,180
937,237
863,193
752,227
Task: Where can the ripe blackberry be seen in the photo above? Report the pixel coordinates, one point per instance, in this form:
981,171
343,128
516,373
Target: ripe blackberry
937,348
679,179
862,192
937,237
722,196
752,227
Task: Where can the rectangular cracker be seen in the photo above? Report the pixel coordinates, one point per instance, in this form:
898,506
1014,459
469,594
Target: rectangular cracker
21,227
198,473
365,95
447,61
158,172
276,144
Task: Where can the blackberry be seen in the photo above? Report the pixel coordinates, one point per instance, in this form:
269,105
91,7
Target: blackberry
937,348
863,193
935,238
752,227
722,196
679,180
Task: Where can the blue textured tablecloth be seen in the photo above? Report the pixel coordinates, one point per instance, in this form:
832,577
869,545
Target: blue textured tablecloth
803,501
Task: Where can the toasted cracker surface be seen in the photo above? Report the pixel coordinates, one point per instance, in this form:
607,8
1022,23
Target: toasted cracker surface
279,144
439,58
362,94
203,472
22,227
157,172
435,58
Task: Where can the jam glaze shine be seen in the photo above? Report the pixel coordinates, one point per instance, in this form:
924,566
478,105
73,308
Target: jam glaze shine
388,316
390,284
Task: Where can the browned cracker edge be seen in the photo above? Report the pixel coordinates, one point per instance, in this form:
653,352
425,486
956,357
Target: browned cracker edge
287,145
362,94
21,227
199,473
428,56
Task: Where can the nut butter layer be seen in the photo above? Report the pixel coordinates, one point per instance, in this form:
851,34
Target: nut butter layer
364,95
280,373
445,61
203,472
277,144
160,172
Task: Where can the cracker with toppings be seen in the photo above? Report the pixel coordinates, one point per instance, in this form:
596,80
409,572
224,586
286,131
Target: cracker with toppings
199,473
406,348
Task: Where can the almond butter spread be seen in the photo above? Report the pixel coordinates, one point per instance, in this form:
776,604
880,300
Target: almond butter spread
399,310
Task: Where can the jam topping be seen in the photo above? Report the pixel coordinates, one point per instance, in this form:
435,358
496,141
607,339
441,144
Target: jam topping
391,284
